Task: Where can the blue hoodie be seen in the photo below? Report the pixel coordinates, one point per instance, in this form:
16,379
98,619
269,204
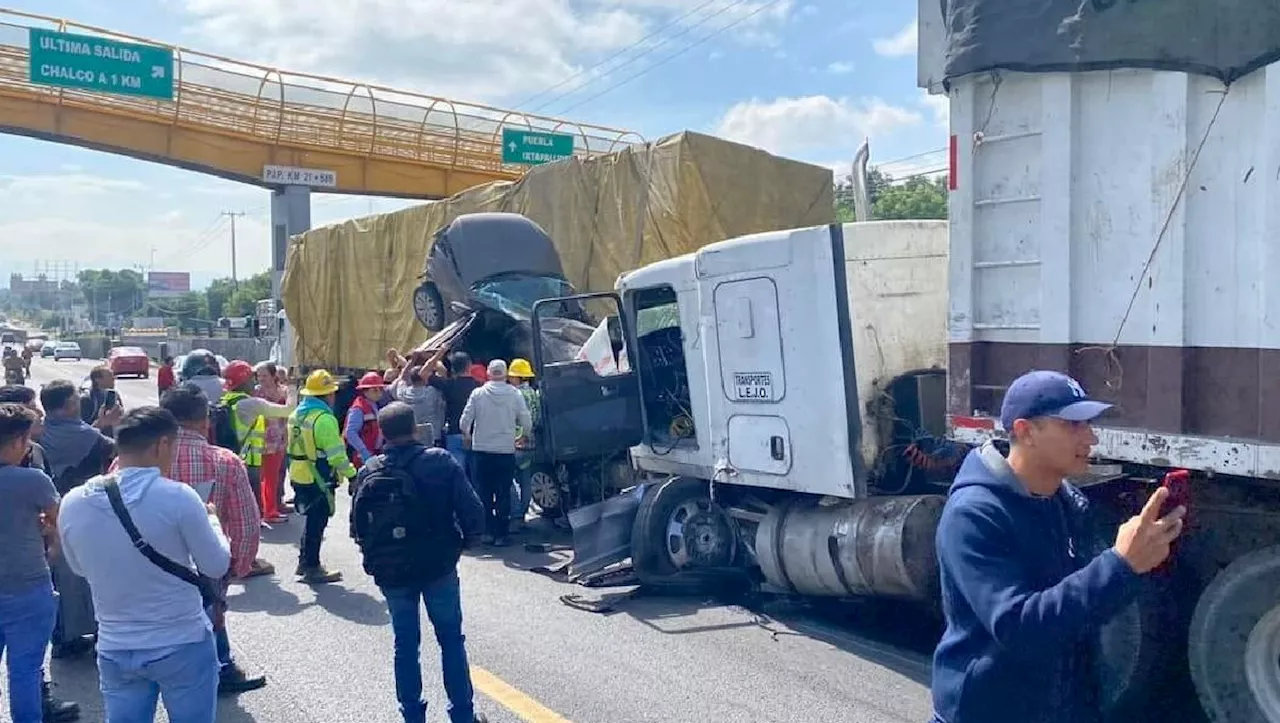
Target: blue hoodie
1023,601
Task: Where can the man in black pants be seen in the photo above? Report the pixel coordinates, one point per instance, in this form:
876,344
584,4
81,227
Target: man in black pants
489,422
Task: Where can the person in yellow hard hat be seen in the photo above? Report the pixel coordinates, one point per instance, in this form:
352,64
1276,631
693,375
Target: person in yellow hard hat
318,464
520,376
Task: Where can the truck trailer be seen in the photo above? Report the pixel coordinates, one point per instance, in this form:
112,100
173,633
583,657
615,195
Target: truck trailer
799,400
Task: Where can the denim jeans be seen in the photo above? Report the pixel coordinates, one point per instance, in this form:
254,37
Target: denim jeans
453,443
443,600
26,624
524,484
185,676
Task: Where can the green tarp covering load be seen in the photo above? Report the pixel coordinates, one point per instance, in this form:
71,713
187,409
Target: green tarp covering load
348,287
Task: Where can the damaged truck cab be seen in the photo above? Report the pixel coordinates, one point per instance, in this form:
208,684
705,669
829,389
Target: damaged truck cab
763,369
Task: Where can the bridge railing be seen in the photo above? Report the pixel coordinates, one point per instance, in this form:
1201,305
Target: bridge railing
239,99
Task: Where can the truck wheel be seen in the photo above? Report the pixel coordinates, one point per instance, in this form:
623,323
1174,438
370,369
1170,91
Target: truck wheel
1234,647
681,541
428,307
545,492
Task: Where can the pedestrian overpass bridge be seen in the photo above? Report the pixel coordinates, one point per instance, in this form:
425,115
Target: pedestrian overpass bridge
231,119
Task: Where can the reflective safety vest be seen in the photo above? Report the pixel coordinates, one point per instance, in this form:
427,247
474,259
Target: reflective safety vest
315,457
252,438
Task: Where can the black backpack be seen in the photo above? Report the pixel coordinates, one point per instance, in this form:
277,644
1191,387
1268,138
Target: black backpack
385,521
222,430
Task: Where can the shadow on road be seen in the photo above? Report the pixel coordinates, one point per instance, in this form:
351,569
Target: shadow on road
352,605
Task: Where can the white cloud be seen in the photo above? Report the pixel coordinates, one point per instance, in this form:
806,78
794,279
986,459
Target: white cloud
840,67
487,50
899,45
939,106
63,184
793,125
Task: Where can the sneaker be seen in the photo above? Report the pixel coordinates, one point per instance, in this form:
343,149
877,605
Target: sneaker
234,680
55,710
259,569
320,576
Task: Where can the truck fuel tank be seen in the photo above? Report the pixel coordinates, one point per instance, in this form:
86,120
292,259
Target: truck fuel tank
872,547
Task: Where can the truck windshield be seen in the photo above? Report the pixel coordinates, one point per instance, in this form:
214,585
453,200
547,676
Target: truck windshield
515,294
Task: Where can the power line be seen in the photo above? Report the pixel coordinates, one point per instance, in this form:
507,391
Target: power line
665,60
620,52
673,56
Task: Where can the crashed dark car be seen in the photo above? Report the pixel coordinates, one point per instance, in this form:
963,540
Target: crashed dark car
484,275
485,271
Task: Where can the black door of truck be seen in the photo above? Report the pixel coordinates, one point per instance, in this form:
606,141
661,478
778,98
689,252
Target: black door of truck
590,396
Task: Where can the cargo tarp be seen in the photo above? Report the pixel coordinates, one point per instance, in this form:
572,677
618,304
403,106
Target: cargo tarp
1224,39
348,287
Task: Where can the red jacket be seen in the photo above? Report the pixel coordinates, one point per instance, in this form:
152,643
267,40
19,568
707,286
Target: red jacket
370,434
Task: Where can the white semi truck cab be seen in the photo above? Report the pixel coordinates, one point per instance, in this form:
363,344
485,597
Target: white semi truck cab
768,377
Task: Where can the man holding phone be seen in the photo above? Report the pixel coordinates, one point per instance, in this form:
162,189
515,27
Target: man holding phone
1022,596
100,405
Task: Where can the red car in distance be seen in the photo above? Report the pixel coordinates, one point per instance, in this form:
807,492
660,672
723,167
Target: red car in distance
129,360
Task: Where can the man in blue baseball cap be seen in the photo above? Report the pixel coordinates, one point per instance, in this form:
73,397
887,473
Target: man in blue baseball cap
1022,596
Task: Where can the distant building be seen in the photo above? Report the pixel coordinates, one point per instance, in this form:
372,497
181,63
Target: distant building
32,293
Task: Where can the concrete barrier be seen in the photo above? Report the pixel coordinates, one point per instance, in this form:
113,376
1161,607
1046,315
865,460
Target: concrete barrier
250,350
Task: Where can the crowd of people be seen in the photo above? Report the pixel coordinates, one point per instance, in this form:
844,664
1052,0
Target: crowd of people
123,529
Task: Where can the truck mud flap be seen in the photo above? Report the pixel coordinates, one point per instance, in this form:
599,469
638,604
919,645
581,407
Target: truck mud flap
602,532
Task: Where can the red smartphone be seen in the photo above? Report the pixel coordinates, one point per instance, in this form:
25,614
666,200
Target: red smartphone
1178,482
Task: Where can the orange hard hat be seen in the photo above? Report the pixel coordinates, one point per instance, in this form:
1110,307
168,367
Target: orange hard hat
371,380
237,374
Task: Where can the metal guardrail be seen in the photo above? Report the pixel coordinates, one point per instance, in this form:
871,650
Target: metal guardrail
245,100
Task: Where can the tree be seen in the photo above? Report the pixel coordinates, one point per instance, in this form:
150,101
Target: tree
916,198
224,299
112,295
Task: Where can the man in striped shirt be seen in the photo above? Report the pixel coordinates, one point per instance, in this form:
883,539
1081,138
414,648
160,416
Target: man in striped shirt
222,480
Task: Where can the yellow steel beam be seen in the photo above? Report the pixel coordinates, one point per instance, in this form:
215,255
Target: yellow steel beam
230,119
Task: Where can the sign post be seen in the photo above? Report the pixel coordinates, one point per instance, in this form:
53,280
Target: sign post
534,147
87,62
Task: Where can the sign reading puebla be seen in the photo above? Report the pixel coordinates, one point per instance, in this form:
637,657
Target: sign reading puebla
87,62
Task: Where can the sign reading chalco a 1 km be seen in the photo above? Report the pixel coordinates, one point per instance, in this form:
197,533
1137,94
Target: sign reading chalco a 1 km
87,62
534,147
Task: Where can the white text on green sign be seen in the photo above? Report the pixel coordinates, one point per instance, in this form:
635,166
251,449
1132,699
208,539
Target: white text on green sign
534,147
86,62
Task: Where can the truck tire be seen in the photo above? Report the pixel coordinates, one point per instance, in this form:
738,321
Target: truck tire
1234,645
428,307
683,543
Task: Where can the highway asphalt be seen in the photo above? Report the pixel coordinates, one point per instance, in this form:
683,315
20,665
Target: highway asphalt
327,650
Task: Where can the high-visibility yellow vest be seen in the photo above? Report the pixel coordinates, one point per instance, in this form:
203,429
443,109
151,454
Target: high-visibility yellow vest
252,437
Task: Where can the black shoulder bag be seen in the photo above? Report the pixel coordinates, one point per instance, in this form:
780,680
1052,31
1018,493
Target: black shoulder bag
210,594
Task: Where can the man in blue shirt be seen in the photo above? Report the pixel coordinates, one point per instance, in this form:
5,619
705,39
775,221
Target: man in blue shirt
153,633
1022,599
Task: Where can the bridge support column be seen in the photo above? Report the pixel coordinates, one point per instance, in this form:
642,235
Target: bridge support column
290,215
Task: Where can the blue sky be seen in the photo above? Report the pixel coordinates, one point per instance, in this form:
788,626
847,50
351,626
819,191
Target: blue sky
807,79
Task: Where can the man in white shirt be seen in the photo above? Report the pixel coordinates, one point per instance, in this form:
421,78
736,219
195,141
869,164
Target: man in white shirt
154,638
490,421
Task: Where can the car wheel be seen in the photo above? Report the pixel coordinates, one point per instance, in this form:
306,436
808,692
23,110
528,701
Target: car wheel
428,307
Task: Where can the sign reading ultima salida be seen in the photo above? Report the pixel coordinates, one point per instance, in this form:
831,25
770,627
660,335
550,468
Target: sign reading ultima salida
87,62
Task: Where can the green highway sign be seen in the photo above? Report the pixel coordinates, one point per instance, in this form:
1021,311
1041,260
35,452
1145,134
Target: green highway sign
534,147
86,62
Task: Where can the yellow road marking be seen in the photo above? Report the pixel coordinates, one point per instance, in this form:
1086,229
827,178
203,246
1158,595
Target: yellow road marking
528,709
